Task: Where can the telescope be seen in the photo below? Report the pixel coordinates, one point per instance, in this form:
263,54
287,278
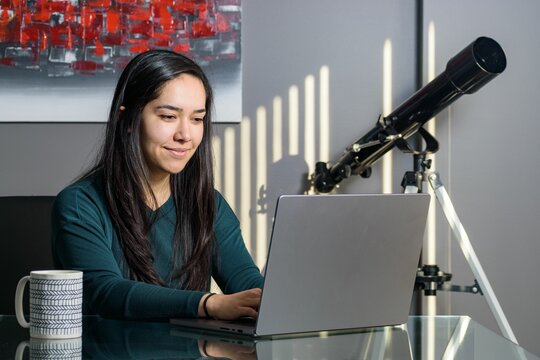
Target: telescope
465,73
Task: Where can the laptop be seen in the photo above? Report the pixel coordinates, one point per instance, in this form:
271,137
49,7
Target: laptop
336,263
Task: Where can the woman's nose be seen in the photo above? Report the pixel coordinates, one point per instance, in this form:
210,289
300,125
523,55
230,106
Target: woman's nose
183,131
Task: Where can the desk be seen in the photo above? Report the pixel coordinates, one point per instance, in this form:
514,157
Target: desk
438,337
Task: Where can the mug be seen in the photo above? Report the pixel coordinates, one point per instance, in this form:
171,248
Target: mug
51,349
55,304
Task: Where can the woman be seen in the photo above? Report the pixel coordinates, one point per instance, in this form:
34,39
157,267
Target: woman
145,224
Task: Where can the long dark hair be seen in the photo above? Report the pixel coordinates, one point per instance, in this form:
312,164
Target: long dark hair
125,175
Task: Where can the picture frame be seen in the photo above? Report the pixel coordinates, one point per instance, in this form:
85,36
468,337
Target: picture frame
60,59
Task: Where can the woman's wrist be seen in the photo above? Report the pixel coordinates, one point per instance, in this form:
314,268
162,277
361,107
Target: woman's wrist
205,310
205,305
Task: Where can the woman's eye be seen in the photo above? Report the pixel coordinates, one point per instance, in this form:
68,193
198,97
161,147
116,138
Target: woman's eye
198,119
167,117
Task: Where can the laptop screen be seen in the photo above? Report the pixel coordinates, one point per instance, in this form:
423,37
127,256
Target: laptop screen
341,261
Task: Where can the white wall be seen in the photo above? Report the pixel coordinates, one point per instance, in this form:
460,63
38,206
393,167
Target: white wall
489,160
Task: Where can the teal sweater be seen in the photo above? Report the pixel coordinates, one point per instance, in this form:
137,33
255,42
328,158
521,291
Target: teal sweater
83,238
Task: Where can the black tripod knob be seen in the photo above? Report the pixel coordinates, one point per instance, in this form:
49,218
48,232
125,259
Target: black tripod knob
429,278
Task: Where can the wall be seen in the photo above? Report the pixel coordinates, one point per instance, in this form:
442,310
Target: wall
288,46
489,160
288,49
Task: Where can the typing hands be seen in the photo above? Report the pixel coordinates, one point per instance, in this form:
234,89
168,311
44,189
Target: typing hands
232,306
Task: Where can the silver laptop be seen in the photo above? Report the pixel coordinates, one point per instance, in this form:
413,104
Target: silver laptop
336,262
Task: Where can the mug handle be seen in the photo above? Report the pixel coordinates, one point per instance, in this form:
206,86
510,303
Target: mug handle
20,349
19,302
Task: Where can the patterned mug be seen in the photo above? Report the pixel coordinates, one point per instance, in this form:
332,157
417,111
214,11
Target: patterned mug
55,304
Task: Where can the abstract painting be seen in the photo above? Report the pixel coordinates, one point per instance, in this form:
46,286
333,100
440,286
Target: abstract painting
59,59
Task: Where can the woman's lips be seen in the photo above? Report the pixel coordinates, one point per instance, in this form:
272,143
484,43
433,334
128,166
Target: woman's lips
177,152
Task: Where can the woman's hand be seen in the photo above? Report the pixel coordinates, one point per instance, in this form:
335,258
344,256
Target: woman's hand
233,306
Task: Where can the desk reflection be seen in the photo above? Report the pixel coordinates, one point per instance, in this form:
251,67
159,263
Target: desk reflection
115,339
426,338
388,343
110,339
57,349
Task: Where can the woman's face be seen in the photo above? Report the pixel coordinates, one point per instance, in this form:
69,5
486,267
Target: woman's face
172,126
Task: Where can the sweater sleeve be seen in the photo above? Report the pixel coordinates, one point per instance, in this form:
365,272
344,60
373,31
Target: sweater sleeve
82,240
233,268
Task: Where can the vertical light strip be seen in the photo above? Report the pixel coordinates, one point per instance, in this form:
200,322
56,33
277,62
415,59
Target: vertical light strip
430,248
229,165
245,180
261,176
216,146
218,160
277,129
387,108
448,297
293,120
430,245
324,114
309,123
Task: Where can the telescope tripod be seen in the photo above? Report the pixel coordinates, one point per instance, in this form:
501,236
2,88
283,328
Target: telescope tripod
429,277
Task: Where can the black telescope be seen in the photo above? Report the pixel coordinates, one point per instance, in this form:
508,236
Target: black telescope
465,73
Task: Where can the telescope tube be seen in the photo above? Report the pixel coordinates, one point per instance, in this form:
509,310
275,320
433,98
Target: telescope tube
465,73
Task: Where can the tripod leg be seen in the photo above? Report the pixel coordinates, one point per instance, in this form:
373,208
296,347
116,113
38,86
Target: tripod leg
470,255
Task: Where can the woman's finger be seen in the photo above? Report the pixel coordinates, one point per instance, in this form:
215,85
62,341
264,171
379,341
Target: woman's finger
248,311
